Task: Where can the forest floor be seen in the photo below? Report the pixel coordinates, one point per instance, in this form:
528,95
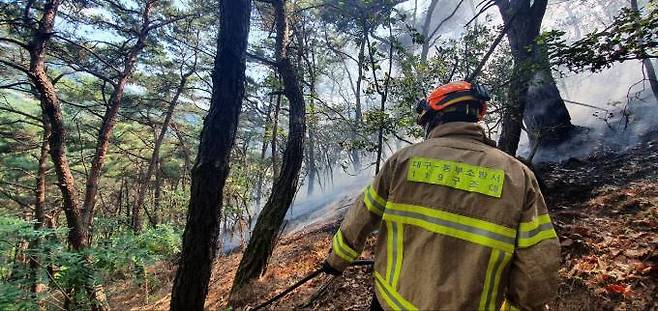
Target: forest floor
605,209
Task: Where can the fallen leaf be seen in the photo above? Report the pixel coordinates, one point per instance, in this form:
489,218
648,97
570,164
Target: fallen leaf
617,289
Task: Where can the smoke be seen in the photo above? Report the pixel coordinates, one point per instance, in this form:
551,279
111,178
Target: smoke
326,204
624,116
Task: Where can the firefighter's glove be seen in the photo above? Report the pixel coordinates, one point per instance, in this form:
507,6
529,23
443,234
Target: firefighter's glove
328,269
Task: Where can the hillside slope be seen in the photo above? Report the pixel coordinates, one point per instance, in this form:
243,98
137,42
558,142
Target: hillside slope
605,209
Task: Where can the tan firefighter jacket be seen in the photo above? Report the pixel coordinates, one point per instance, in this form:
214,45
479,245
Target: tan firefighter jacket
462,226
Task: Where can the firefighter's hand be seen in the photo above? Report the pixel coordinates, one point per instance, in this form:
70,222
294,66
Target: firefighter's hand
328,269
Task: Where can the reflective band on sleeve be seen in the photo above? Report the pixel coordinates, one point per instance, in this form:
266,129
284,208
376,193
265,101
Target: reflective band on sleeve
457,226
394,251
342,249
462,176
392,297
373,201
497,263
535,231
508,306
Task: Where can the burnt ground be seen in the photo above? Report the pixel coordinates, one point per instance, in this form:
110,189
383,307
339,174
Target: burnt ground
605,209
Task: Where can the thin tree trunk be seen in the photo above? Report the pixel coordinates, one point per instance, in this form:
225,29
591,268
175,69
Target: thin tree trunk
255,258
157,195
155,155
649,70
39,213
383,93
212,164
426,30
303,53
358,110
263,150
651,76
109,119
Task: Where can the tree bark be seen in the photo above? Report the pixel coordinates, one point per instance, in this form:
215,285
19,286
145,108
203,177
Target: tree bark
275,133
39,211
212,163
155,155
78,236
51,108
109,119
255,258
538,99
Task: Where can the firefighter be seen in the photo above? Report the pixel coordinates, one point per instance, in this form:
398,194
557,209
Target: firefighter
462,225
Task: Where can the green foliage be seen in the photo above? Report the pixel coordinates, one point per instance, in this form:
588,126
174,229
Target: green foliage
632,35
118,255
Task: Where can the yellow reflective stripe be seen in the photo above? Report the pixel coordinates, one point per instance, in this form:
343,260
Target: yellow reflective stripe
498,260
535,239
496,282
371,202
535,222
344,245
457,226
469,221
338,251
375,195
343,251
392,297
508,306
389,251
394,251
538,229
399,239
458,175
487,281
388,300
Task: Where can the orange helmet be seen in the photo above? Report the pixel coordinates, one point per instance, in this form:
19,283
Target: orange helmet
454,93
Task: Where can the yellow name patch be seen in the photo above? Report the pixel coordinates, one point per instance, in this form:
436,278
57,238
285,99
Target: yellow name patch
462,176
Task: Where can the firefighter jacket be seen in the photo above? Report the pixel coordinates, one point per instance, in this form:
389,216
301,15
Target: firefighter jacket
462,226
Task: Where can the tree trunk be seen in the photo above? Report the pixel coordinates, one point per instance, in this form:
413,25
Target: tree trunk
544,113
649,70
426,30
651,76
212,164
157,196
513,116
263,150
155,155
39,212
255,258
358,110
51,108
275,132
304,51
109,119
78,236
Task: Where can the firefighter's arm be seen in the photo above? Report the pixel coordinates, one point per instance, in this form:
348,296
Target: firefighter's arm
534,269
361,219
